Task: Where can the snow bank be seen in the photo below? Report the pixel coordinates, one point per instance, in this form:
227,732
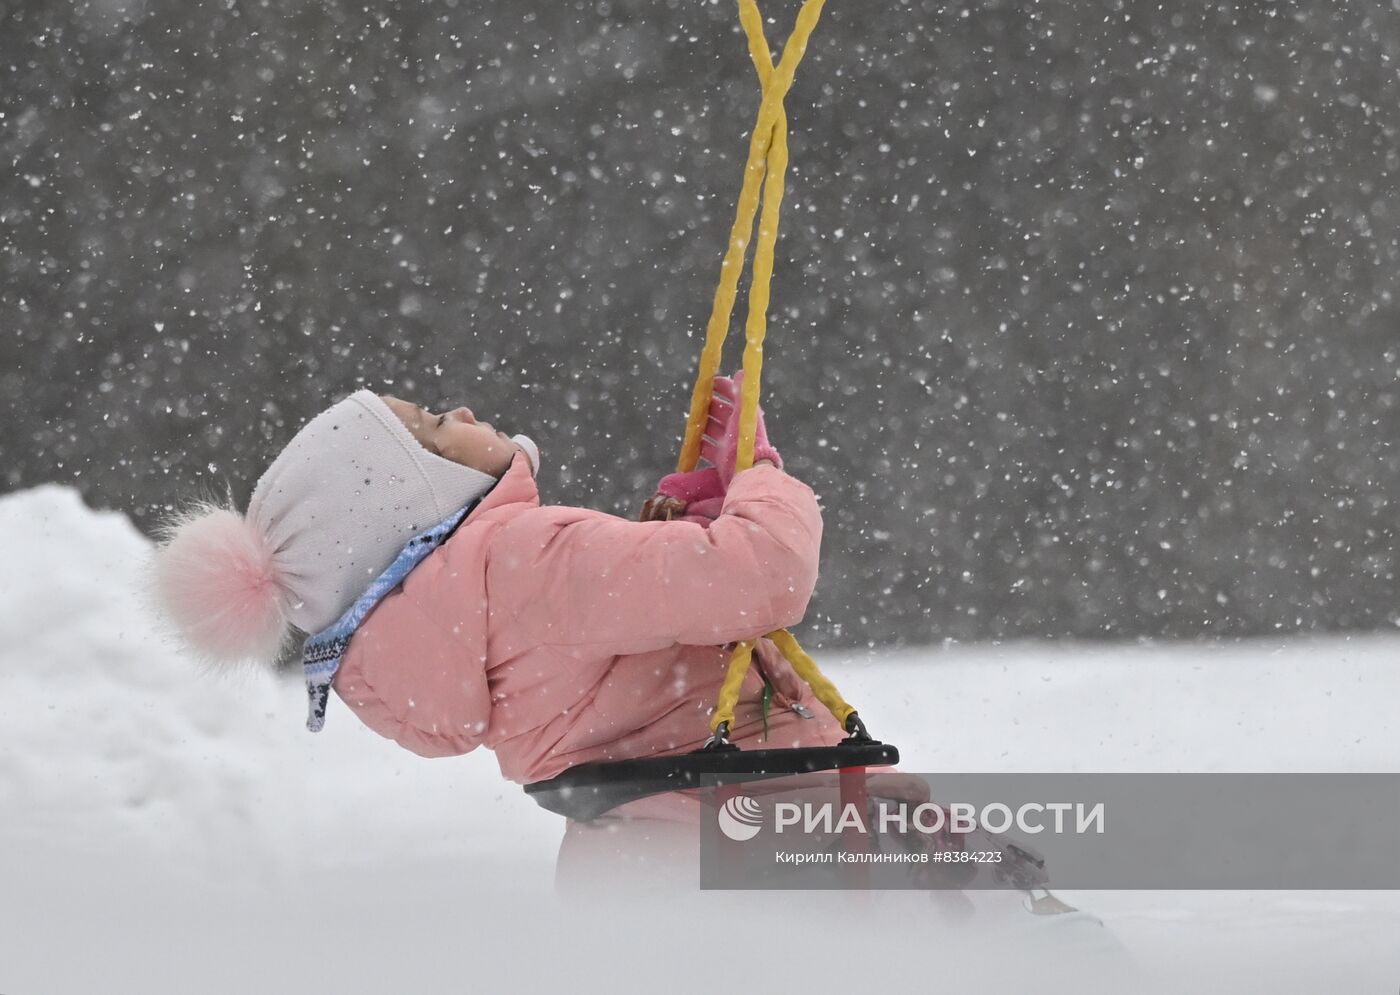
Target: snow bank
185,833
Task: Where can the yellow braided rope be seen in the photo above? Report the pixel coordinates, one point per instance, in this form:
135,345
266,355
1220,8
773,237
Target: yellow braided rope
733,681
756,328
784,640
806,668
775,84
768,160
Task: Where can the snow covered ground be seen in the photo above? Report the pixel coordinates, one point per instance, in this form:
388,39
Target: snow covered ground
165,832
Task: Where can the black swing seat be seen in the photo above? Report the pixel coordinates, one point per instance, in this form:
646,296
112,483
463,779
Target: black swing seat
587,791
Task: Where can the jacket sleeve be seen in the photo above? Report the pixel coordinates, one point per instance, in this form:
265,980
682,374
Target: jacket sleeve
569,577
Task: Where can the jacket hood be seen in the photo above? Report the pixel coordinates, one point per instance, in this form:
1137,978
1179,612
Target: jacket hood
415,671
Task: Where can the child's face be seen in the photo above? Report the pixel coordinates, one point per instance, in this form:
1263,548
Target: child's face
457,436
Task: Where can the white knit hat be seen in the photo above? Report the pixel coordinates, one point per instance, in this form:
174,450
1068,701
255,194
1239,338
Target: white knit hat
326,518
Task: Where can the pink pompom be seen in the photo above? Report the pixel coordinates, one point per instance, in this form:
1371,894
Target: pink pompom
217,582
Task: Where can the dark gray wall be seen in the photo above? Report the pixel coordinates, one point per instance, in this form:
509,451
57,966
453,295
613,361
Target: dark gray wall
1084,322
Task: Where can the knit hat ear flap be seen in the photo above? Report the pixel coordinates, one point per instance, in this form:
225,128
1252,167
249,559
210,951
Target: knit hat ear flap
217,583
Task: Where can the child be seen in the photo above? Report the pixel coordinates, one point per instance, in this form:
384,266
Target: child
450,609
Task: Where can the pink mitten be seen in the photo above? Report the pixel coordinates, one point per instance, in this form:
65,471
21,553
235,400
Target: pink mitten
697,485
726,445
722,408
695,496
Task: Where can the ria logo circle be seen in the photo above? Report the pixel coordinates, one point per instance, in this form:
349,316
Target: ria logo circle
740,818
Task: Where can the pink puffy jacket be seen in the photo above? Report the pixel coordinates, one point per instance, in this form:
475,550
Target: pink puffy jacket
555,636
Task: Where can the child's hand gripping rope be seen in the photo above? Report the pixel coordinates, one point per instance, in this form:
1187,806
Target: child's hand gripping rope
721,442
700,493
